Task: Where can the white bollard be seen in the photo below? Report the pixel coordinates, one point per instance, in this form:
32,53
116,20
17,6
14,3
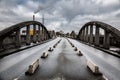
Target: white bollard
33,67
93,67
75,49
44,55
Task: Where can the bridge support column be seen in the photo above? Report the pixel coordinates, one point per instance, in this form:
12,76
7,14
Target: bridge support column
83,34
43,34
1,42
86,38
106,42
97,36
47,37
39,33
18,38
28,39
91,34
34,34
80,36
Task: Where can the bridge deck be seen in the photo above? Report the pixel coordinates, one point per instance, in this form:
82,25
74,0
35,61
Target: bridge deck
62,62
109,64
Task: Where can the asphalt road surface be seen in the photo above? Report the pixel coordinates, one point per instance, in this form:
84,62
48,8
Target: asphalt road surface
14,65
109,65
61,64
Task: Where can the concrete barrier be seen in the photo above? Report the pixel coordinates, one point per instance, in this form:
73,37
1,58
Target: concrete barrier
57,43
54,46
50,49
93,67
75,49
44,55
79,53
104,78
72,45
33,67
15,79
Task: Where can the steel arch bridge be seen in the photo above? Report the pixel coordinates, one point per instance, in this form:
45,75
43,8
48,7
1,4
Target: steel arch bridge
90,33
12,36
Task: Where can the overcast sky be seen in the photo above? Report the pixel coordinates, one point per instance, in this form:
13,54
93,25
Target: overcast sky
66,15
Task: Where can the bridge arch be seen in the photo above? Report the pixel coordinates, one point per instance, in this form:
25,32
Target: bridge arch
12,35
111,35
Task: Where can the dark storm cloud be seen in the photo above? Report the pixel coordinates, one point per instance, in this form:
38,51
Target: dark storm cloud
63,13
72,8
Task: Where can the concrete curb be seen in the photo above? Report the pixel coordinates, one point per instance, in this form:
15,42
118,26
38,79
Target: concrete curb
2,54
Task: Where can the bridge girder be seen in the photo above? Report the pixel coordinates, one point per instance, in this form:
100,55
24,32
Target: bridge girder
13,28
16,28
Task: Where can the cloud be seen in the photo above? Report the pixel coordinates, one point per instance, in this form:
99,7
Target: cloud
66,15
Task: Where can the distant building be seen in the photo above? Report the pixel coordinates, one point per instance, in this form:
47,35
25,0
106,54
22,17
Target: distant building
52,33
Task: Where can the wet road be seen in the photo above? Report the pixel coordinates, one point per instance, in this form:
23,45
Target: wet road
16,64
109,65
62,62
